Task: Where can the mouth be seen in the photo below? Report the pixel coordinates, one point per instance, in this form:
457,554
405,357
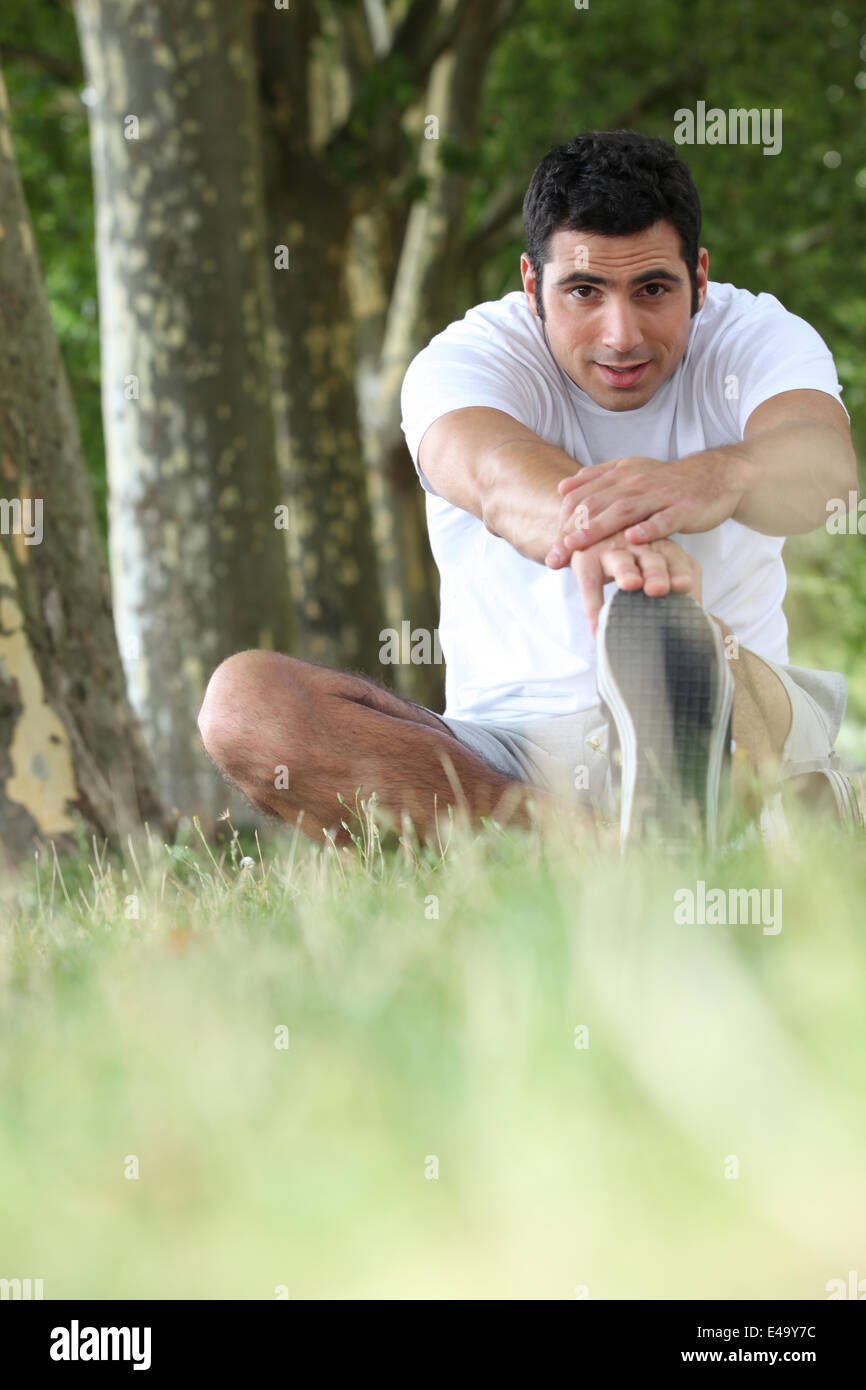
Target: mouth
623,376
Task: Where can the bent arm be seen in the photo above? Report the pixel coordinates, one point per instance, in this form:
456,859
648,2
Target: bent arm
795,456
492,466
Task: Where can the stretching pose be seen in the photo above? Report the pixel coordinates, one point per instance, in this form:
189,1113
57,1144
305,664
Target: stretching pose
623,429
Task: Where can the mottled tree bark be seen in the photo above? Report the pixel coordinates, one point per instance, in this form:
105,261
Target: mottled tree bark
69,741
198,559
333,149
335,576
409,578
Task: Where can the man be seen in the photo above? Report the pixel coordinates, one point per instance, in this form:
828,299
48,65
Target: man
564,436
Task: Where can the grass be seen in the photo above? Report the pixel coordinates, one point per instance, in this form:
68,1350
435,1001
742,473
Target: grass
431,1000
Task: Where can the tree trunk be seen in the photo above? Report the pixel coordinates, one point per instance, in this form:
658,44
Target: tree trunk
335,574
198,556
409,578
399,308
68,737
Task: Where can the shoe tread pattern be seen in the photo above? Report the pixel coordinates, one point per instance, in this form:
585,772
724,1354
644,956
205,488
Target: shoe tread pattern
662,654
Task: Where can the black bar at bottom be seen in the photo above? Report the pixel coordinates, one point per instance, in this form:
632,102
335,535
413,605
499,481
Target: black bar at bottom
158,1338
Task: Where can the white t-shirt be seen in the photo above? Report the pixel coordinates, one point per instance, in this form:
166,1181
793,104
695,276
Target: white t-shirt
513,632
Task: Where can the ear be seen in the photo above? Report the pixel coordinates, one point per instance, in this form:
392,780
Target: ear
702,275
530,283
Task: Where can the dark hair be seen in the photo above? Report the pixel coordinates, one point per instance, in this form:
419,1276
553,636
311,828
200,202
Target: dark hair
616,183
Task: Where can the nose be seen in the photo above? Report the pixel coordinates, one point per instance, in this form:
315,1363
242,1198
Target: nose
621,332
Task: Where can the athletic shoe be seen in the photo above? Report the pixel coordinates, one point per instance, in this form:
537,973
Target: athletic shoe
847,803
825,792
663,675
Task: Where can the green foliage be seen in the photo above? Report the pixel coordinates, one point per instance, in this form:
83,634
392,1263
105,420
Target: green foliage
42,72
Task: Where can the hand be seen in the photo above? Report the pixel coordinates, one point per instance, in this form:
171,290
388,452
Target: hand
657,567
646,498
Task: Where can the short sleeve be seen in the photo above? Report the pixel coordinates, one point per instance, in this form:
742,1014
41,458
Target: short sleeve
770,350
463,366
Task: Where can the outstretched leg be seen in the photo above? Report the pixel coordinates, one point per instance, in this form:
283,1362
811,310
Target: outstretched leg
761,723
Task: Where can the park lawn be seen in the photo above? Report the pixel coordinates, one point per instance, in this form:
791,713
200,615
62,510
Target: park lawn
509,1073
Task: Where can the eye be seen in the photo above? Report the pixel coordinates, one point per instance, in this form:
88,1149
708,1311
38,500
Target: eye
656,286
578,288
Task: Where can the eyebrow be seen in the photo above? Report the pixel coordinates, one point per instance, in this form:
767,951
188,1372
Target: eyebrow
583,277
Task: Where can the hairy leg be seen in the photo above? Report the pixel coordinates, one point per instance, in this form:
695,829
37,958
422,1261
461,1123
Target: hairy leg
269,720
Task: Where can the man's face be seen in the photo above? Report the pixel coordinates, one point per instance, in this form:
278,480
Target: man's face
613,302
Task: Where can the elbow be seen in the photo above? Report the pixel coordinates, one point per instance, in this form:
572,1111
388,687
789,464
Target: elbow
845,479
839,469
848,460
852,473
843,495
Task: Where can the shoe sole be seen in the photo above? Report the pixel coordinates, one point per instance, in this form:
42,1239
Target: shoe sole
847,803
663,675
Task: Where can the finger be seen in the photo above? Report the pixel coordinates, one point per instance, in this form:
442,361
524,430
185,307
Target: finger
556,556
611,512
656,527
588,474
571,522
575,519
654,568
681,567
566,485
590,581
570,542
589,487
621,565
570,511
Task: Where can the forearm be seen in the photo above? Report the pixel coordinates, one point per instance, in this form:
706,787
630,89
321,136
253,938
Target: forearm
787,475
519,496
487,463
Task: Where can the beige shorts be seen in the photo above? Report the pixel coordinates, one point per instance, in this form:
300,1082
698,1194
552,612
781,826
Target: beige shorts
569,753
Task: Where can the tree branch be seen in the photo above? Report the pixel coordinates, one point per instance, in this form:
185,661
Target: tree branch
674,87
499,210
65,68
378,26
284,43
426,31
356,46
416,302
506,204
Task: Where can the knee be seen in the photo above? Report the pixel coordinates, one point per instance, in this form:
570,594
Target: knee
241,701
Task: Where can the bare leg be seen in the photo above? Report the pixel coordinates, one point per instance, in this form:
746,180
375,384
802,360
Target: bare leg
760,724
269,719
